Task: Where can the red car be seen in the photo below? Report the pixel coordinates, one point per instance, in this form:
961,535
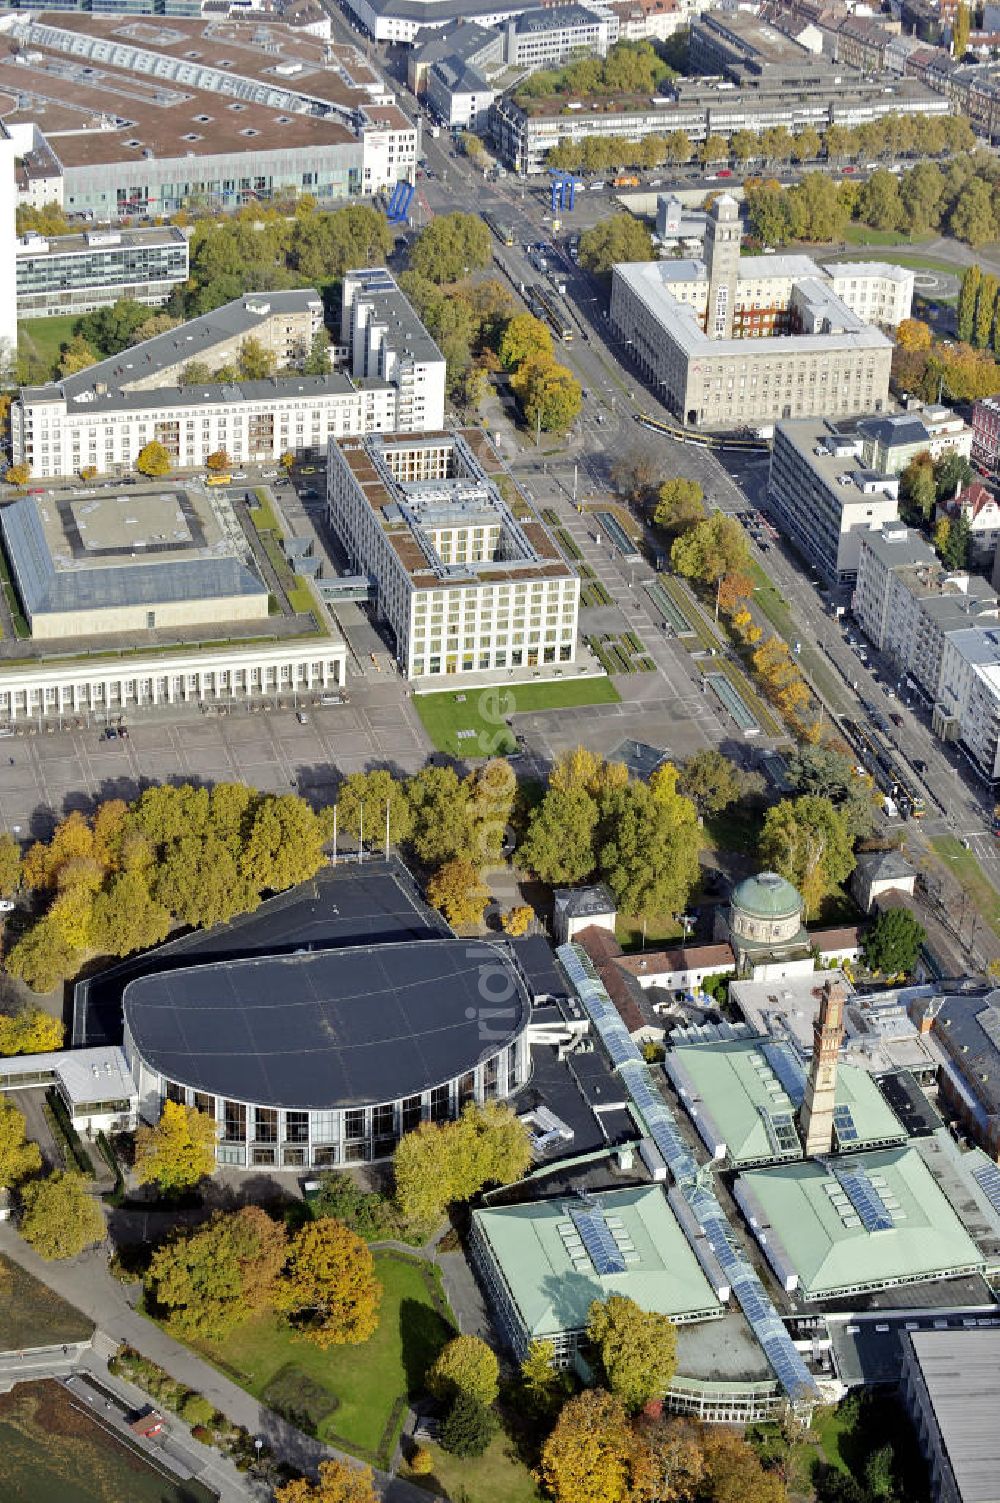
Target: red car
848,169
725,172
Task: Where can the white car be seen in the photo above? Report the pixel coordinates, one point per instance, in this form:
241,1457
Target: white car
6,906
268,474
302,717
596,187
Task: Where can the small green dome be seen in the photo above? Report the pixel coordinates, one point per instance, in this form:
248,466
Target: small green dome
767,896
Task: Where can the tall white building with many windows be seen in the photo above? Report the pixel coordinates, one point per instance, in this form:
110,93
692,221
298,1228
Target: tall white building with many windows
468,581
168,389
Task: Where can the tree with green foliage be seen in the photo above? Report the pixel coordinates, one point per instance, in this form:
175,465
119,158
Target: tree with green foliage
648,845
968,296
808,841
918,489
440,817
679,505
828,773
317,362
322,246
817,208
328,1289
59,1216
892,942
807,145
549,393
442,1162
558,845
711,780
543,1384
285,842
465,1365
179,1151
711,549
972,218
153,460
986,305
125,916
955,554
451,246
363,800
43,958
769,214
76,356
636,1348
951,471
621,237
468,1428
256,362
879,203
18,1156
210,1279
111,330
524,338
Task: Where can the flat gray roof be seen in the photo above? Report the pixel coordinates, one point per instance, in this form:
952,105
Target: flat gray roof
961,1372
96,553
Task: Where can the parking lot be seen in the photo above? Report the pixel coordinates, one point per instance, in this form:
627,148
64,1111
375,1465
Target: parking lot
44,775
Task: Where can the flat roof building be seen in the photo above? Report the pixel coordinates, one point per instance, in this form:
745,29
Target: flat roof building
95,1085
966,1027
546,36
891,442
466,580
744,1096
830,1228
101,417
825,496
78,273
327,1056
542,1265
130,563
736,339
951,1388
148,120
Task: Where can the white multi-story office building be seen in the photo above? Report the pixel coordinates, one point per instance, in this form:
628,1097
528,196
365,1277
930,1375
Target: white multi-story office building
877,291
703,334
544,37
968,706
466,581
892,441
104,415
8,236
825,496
78,273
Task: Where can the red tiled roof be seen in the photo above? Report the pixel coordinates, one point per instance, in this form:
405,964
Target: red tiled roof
695,958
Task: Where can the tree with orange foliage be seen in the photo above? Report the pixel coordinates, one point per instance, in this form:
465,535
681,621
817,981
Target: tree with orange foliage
338,1482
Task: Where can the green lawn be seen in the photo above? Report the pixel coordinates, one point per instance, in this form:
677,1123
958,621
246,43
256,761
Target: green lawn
351,1396
966,870
735,829
863,234
664,930
772,603
904,257
31,1315
42,337
484,712
495,1477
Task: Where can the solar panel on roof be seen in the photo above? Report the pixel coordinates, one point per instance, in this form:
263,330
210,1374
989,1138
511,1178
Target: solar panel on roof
597,1239
844,1126
788,1070
988,1179
866,1200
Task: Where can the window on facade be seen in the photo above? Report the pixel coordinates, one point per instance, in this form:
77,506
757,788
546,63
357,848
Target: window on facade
265,1124
354,1123
296,1127
383,1124
175,1092
234,1118
490,1078
411,1113
204,1103
440,1103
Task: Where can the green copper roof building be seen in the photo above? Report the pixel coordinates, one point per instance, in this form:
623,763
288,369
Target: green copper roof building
543,1264
850,1225
767,896
743,1096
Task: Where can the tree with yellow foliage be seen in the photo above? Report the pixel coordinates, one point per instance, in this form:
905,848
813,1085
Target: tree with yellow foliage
592,1454
913,334
30,1031
18,1156
517,920
338,1482
179,1151
329,1290
456,889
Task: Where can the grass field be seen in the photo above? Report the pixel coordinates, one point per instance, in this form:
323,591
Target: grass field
905,257
495,1477
659,931
53,1451
483,712
862,234
31,1315
42,337
350,1396
966,870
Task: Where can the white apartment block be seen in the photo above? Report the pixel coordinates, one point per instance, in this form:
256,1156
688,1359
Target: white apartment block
825,497
103,416
106,686
78,273
876,291
547,36
703,333
908,605
968,706
466,582
8,240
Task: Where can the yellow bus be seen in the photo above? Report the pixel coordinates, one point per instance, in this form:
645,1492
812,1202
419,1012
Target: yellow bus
219,480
